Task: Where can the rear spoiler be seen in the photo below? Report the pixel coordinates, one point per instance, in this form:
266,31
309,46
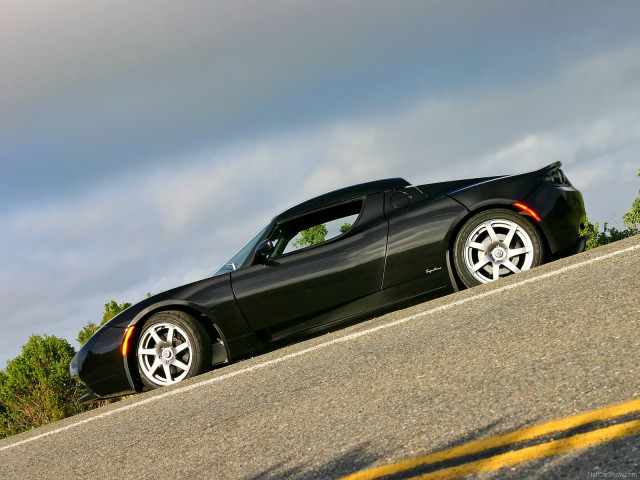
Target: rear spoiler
549,168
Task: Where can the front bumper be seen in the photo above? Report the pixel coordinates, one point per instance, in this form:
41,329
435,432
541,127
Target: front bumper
101,366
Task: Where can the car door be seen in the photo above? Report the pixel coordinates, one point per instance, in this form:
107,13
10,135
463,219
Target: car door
419,232
297,283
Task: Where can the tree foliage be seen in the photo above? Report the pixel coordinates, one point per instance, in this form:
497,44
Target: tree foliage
311,236
632,217
345,227
111,309
36,387
597,238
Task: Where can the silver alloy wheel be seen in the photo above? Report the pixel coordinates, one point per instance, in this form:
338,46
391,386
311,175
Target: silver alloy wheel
497,248
164,353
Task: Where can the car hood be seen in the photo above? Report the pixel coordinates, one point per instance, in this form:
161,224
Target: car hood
187,293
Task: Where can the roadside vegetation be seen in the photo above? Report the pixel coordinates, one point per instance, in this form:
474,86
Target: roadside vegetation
631,220
111,309
36,388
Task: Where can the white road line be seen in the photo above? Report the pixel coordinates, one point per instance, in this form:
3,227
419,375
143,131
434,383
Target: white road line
321,346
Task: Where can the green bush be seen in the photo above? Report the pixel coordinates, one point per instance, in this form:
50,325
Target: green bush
36,387
632,217
597,238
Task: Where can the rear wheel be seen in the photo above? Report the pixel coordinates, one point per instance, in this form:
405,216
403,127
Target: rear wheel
494,244
172,347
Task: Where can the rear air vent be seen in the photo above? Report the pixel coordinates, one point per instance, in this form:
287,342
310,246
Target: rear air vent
557,177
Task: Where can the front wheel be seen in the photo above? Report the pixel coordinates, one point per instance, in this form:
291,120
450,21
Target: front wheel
172,347
494,244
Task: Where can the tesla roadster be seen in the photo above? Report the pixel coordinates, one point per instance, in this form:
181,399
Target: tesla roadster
339,257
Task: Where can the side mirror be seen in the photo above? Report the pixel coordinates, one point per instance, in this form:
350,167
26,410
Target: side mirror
264,249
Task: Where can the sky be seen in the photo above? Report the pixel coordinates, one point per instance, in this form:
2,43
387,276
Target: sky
141,143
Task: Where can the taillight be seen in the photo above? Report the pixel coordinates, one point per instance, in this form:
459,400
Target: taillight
527,209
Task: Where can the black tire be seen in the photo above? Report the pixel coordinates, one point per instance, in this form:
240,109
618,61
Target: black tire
172,347
494,244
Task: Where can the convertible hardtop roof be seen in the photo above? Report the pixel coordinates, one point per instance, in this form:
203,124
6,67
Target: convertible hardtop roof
341,195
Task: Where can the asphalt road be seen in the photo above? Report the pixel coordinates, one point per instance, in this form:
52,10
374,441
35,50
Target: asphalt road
542,345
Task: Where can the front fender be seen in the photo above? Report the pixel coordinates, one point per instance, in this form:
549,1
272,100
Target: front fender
99,363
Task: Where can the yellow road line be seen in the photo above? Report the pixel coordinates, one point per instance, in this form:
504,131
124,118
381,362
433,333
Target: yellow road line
513,437
548,449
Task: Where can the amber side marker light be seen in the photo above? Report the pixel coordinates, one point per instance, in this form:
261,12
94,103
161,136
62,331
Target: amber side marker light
529,210
125,343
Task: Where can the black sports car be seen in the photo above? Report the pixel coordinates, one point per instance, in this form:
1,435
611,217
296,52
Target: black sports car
341,256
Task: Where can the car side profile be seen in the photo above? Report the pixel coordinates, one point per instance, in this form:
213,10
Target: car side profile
339,257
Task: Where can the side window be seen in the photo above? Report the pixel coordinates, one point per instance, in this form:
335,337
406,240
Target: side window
316,227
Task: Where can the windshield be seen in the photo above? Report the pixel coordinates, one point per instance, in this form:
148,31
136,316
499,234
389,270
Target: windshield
238,258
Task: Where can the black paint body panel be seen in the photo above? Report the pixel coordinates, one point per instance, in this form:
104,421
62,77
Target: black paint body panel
418,241
99,362
563,215
396,253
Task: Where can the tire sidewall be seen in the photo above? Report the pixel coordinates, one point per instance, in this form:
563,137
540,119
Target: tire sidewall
493,214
